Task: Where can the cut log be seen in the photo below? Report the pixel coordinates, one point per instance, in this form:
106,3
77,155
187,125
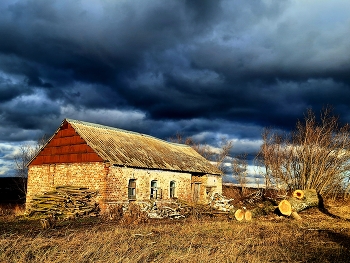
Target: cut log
298,194
285,207
304,199
239,214
310,199
248,215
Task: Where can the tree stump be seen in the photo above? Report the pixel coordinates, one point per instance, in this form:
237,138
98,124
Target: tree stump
298,194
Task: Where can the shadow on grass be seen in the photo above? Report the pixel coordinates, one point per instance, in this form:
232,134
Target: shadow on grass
329,246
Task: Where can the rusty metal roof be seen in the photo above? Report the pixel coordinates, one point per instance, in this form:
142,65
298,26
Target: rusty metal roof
126,148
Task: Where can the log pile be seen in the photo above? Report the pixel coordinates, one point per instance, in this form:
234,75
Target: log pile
289,206
65,202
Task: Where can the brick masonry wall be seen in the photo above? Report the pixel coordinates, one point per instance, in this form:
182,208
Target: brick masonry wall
111,182
118,179
205,186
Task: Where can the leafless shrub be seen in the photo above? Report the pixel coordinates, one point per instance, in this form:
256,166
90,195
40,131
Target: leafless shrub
134,215
239,171
22,158
115,212
315,155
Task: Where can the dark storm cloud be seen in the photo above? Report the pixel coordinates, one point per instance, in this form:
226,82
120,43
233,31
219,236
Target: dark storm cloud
9,91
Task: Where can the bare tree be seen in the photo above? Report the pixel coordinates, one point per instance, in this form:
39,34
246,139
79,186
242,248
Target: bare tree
218,156
22,158
316,155
240,170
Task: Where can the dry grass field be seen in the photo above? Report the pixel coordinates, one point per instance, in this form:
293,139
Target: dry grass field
316,238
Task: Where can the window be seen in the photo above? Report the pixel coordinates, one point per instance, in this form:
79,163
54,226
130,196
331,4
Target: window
154,190
172,189
132,189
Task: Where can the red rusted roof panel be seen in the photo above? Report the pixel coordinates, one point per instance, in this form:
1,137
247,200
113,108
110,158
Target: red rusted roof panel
66,147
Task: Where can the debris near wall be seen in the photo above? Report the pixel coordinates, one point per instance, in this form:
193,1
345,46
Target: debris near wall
251,207
253,198
172,210
140,212
65,202
160,209
221,203
177,209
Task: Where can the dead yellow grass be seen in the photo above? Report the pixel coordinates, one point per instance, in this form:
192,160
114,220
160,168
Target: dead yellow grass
341,209
270,239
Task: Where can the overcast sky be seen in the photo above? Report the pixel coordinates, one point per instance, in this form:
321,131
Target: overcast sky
200,68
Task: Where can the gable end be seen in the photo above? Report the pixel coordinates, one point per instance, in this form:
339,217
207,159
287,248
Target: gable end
66,146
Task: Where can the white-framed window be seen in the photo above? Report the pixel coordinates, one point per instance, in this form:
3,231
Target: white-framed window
154,189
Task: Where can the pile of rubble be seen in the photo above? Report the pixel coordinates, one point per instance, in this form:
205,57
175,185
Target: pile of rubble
155,210
177,209
221,203
174,209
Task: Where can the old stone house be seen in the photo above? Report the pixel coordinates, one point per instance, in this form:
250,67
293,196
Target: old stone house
121,165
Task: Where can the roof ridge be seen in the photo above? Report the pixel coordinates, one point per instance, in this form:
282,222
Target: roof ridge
96,125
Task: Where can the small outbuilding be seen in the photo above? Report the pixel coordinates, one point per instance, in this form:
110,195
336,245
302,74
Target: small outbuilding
122,166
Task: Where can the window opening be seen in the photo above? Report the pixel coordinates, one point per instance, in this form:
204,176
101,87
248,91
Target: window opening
132,189
172,189
156,192
153,189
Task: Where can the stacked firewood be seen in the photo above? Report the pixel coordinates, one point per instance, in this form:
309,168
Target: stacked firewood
65,202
